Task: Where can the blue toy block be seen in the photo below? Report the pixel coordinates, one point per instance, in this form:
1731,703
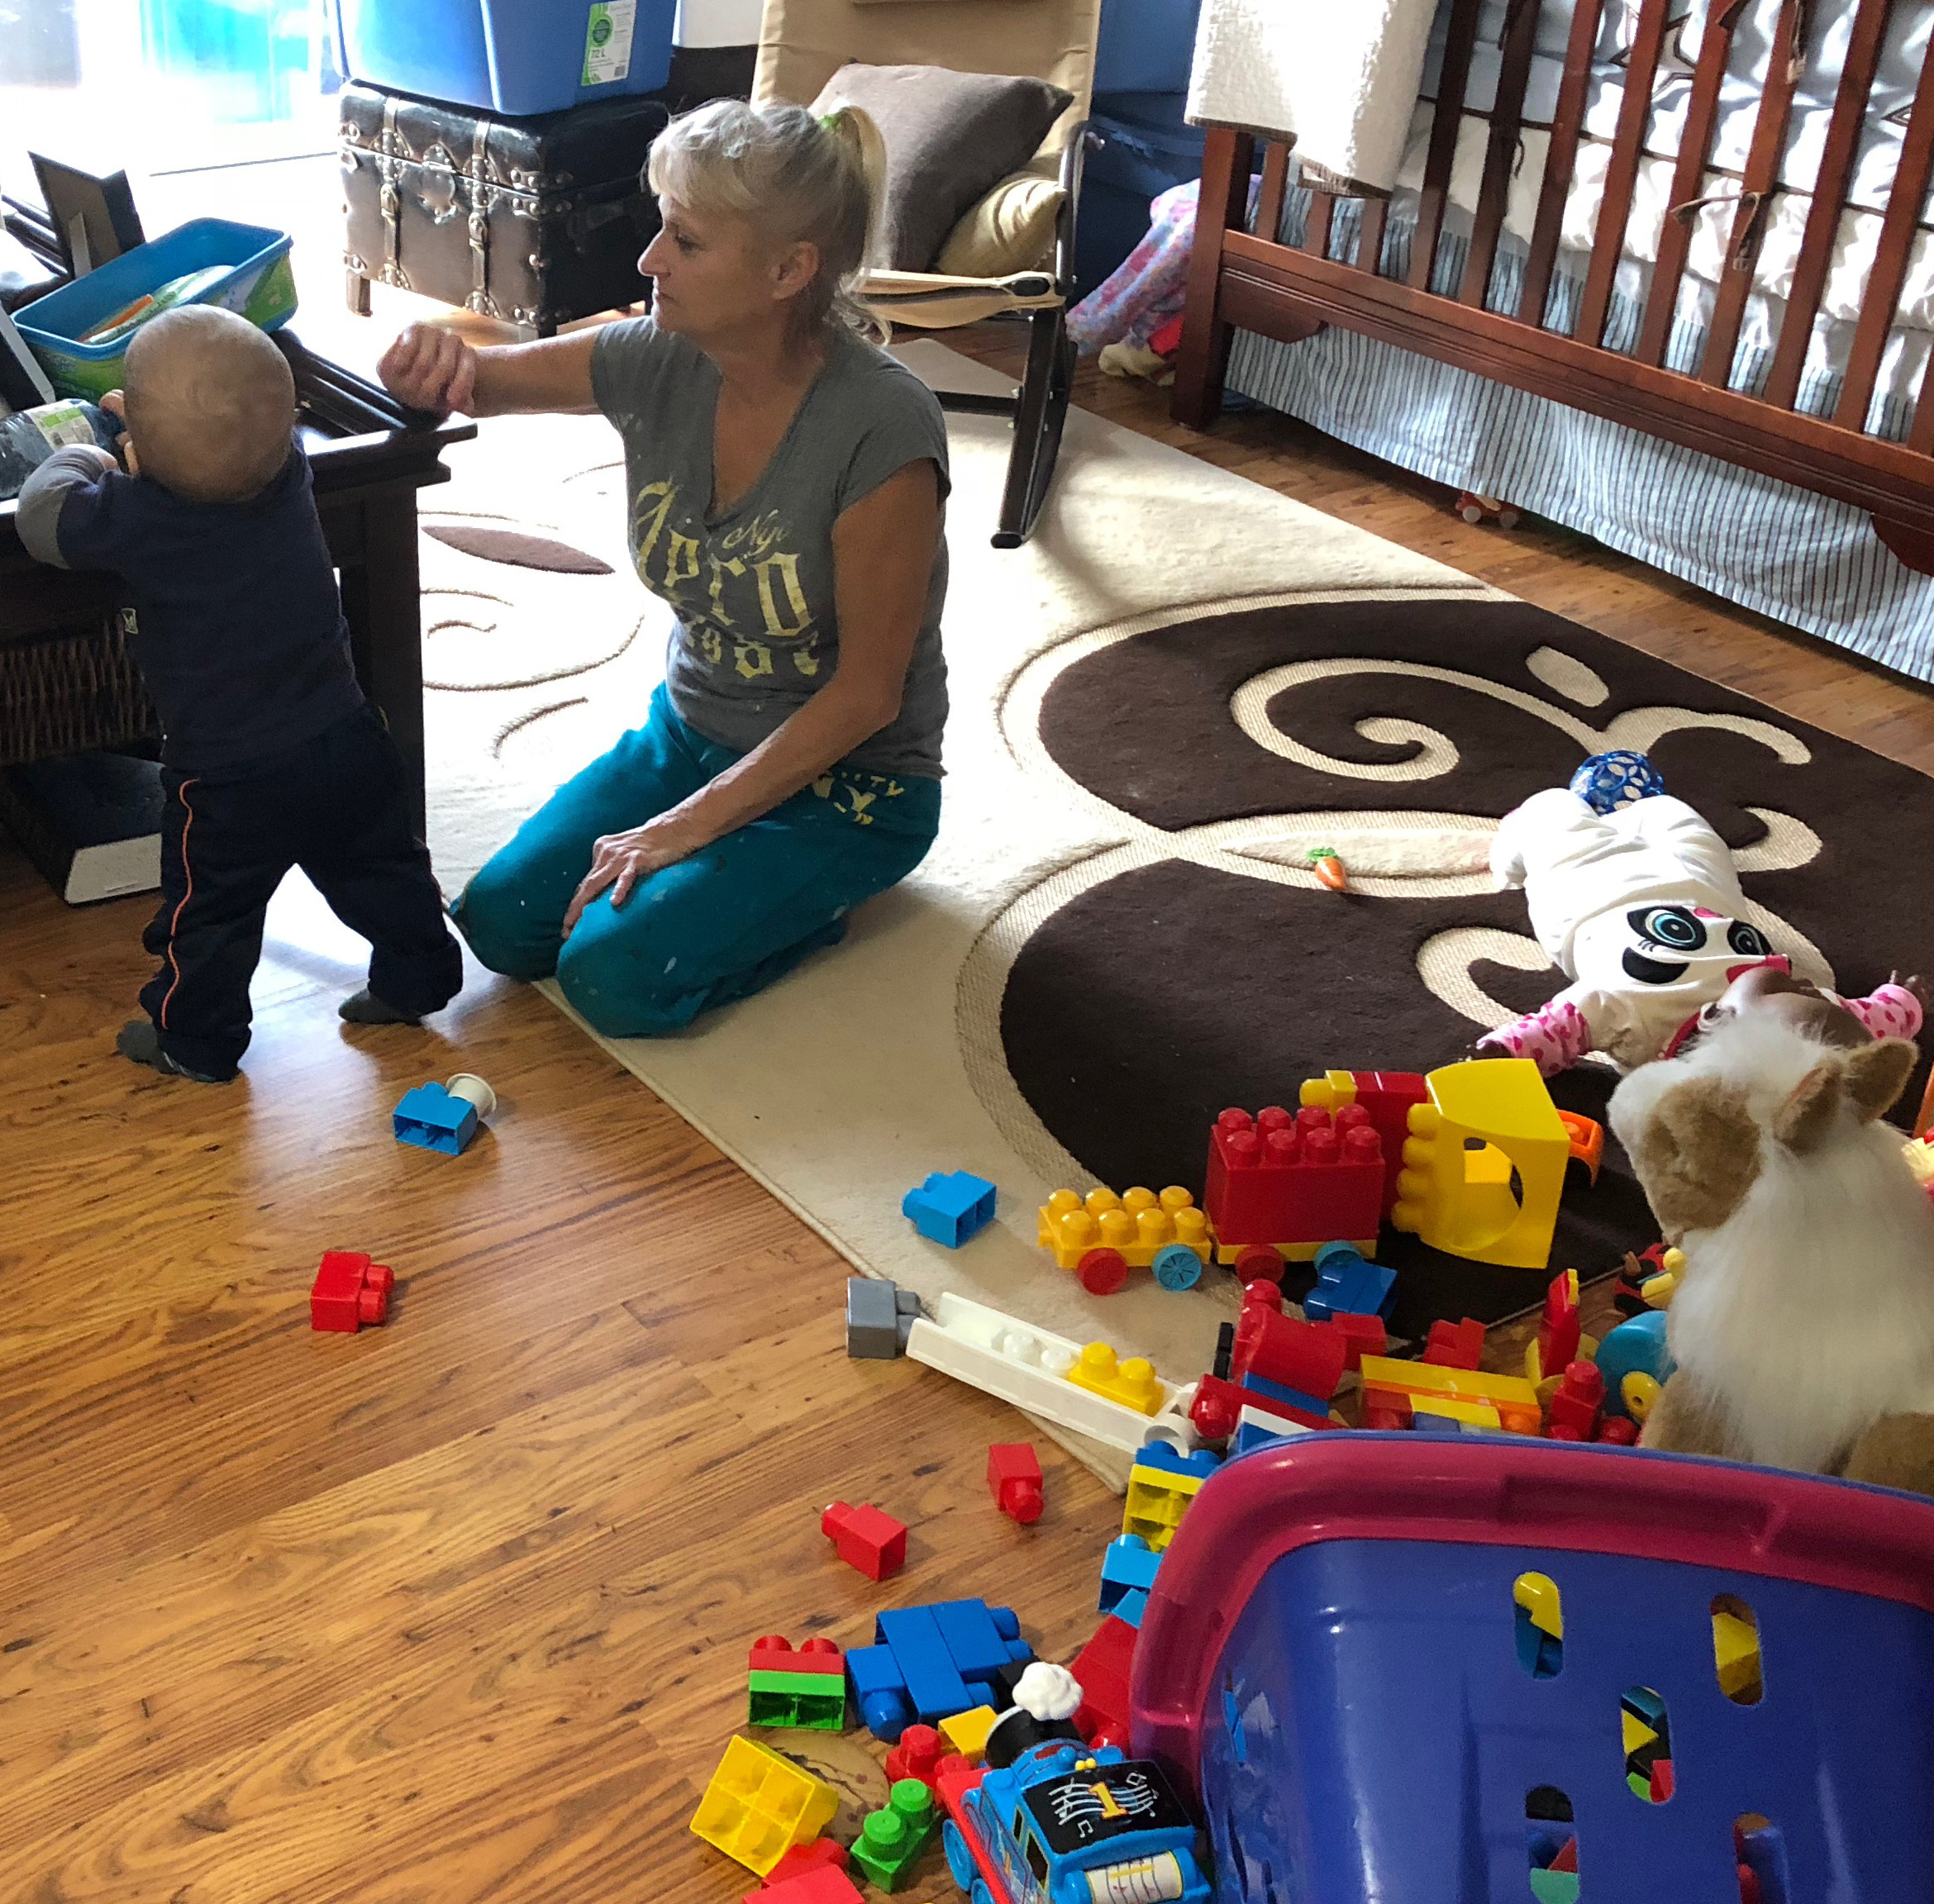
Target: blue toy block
930,1663
950,1206
879,1692
1253,1435
1347,1285
1204,1461
1128,1566
1129,1609
979,1639
432,1119
1283,1392
934,1683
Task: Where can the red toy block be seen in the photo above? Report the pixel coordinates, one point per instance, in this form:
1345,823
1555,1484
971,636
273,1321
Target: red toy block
1362,1335
1456,1344
1558,1333
775,1653
1293,1181
1661,1780
1218,1406
1308,1357
864,1537
1013,1474
1575,1407
917,1755
1101,1670
349,1293
1257,1263
1386,1096
823,1853
1386,1408
1619,1431
1567,1858
823,1884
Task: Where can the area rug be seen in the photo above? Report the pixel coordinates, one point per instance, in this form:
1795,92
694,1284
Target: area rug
1159,705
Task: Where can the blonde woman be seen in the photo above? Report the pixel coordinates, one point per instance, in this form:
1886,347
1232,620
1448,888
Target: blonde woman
786,483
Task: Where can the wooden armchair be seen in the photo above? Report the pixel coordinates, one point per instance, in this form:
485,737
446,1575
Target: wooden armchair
803,43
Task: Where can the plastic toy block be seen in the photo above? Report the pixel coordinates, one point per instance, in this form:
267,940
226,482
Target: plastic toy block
928,1663
1554,1887
981,1640
433,1118
815,1884
1573,1414
1588,1141
1027,1366
817,1656
1161,1484
349,1293
1460,1199
967,1732
950,1206
892,1839
1515,1399
1254,1429
879,1317
1455,1344
1557,1344
934,1683
1217,1406
1348,1283
1735,1652
759,1804
1101,1670
808,1700
1130,1608
1132,1383
1445,1408
1310,1357
1386,1408
1537,1594
1136,1225
1295,1182
1297,1402
1013,1474
917,1755
1387,1095
1129,1565
1362,1335
823,1853
864,1538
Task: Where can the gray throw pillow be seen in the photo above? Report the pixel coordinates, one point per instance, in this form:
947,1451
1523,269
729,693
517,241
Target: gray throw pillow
950,138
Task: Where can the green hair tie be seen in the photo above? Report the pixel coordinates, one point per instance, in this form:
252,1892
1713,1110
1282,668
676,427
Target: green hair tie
830,121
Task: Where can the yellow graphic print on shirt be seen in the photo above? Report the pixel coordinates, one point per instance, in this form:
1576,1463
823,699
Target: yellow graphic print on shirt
739,599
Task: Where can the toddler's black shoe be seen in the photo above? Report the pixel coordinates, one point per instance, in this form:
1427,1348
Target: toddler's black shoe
141,1041
364,1007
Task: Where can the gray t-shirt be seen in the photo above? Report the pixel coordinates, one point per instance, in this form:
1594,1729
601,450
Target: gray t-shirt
757,629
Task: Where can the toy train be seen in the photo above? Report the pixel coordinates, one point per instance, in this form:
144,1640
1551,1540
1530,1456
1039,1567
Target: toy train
1070,1823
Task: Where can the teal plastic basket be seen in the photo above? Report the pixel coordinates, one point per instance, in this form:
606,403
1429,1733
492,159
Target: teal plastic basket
260,286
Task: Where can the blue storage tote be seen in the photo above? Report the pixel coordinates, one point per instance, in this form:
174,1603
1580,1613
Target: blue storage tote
513,57
1139,145
260,287
1146,46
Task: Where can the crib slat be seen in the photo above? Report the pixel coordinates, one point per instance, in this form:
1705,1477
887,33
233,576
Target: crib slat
1370,244
1688,178
1276,186
1521,33
1881,297
1635,109
1459,37
1815,255
1762,174
1560,155
1316,230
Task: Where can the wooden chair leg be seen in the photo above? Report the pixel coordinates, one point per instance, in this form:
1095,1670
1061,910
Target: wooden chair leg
1039,420
1222,206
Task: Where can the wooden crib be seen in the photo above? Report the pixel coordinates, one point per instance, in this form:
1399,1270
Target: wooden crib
1241,278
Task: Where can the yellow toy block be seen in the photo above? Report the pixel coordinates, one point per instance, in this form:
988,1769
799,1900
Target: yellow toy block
1132,1383
1515,1399
1637,1733
1537,1594
1736,1651
1331,1091
1659,1290
1489,1121
1137,1223
759,1804
967,1732
1158,1497
1478,1414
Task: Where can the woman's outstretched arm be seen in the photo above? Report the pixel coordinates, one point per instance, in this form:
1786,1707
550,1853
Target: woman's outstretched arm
432,368
883,550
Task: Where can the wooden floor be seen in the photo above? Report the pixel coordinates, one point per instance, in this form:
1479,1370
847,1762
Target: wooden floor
457,1610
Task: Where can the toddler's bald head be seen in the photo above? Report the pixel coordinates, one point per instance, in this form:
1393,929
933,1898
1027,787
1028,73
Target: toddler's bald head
211,404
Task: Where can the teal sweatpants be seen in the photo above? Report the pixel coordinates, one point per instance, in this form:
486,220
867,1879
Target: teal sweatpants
719,925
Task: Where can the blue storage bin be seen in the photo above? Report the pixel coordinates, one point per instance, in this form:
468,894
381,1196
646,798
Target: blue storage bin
260,287
514,57
1146,46
1138,146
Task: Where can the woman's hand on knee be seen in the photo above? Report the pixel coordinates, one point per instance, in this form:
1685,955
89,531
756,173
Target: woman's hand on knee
619,861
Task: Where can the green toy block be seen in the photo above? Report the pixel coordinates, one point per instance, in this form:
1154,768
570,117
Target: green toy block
892,1839
815,1701
1555,1886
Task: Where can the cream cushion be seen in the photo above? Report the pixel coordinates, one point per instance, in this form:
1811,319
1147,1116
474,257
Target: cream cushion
1012,229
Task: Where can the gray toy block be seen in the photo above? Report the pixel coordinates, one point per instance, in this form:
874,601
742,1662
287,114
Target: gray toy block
879,1316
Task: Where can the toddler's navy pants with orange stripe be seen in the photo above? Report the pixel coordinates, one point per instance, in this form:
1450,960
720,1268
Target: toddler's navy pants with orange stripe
336,807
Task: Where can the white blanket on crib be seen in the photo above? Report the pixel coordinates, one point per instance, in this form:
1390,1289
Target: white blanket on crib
1339,76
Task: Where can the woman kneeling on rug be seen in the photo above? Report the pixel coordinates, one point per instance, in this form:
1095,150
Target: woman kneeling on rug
786,481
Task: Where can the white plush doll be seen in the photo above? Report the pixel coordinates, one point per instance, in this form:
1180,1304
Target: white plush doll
1639,906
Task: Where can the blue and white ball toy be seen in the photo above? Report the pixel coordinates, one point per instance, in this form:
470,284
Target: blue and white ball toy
1606,782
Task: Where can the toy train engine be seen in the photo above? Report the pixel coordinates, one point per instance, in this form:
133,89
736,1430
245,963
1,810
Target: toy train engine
1067,1824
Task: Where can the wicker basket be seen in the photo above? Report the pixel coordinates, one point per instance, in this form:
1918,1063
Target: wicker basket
71,692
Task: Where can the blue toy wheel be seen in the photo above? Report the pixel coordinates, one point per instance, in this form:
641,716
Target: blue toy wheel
960,1860
1176,1266
980,1894
1606,782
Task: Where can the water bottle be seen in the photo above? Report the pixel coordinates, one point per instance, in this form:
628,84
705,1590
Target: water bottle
29,437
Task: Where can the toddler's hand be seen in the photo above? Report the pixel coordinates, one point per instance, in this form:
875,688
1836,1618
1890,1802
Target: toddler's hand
116,405
430,368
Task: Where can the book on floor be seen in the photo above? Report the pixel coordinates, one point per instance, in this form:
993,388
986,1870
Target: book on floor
91,822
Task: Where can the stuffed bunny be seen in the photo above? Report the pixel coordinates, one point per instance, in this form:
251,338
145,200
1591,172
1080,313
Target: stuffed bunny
1803,1326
